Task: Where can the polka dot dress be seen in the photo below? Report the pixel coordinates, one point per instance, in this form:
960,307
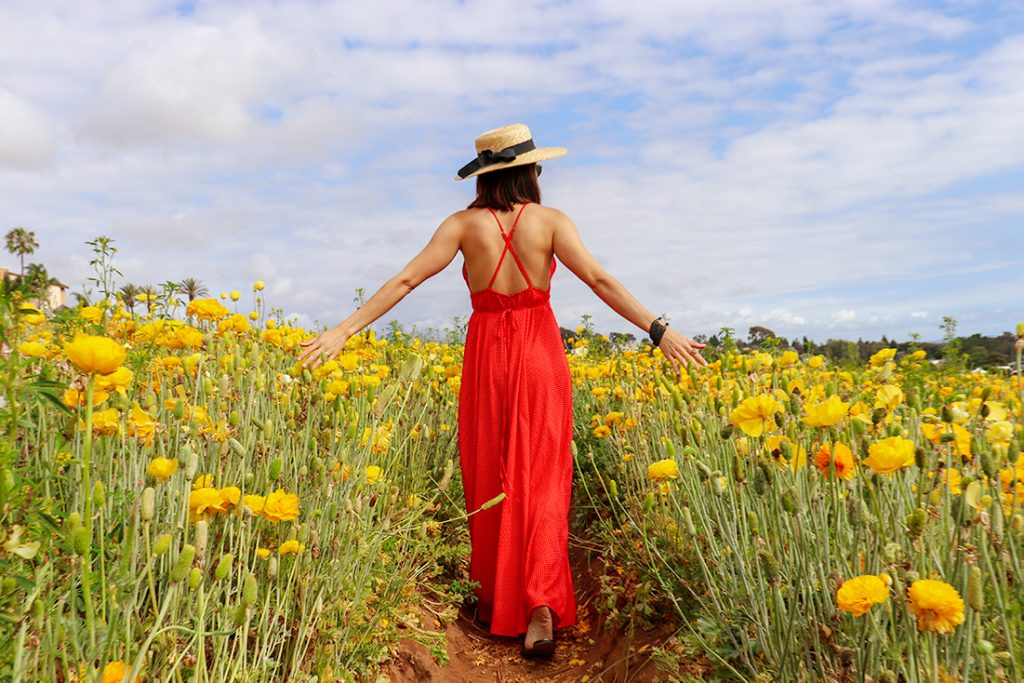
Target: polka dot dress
515,435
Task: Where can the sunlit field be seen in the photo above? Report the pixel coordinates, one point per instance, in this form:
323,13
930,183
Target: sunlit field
180,502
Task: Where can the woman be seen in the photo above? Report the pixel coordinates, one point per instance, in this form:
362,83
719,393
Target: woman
515,401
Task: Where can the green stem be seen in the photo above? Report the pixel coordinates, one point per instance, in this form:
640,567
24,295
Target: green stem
90,618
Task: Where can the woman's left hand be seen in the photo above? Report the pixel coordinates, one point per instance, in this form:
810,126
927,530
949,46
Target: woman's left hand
325,345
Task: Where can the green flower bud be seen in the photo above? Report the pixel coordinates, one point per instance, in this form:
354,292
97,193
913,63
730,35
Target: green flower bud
688,521
183,563
234,418
241,615
987,464
888,676
648,501
780,421
947,437
73,521
81,541
250,590
975,589
1017,526
98,493
237,447
910,576
275,469
753,522
224,385
789,500
985,647
920,458
726,432
985,410
877,415
670,449
195,577
202,536
947,414
147,504
162,544
179,409
613,488
892,553
191,462
272,567
223,566
986,392
916,521
268,429
769,566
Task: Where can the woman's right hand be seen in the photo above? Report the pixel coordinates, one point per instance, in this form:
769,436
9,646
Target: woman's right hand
680,350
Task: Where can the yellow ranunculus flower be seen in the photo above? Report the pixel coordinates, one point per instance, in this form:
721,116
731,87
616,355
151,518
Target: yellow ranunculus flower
205,500
235,295
291,547
602,431
779,446
258,286
31,349
936,604
281,506
142,425
857,595
230,495
90,313
206,309
203,481
74,398
828,413
30,314
888,396
663,469
815,362
162,468
755,415
119,380
95,355
882,356
789,358
890,455
254,503
999,434
104,422
373,474
114,672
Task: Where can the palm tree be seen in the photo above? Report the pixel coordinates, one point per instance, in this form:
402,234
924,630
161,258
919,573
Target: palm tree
151,296
193,288
21,243
128,293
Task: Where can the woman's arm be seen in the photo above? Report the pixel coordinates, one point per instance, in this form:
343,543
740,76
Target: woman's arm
570,250
434,258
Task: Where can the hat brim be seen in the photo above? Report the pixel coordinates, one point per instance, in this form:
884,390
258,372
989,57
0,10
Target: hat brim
531,157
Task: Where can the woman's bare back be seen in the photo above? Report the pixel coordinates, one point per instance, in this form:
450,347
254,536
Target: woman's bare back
532,241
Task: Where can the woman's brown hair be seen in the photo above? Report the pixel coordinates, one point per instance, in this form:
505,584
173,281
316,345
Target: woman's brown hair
499,190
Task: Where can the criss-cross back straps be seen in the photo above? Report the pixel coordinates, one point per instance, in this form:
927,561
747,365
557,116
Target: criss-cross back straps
509,247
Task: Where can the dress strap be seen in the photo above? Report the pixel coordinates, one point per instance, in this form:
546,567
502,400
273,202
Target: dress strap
508,246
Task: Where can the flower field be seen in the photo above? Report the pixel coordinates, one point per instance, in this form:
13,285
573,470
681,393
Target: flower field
180,502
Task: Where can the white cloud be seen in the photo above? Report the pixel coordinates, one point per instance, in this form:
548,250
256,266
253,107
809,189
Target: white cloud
844,316
26,135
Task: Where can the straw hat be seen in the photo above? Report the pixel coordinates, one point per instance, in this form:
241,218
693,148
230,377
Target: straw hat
506,147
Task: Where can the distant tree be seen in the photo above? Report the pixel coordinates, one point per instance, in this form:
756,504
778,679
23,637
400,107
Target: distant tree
151,296
21,242
128,294
758,334
193,288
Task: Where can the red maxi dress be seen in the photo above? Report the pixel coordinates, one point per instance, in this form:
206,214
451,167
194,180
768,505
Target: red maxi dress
515,435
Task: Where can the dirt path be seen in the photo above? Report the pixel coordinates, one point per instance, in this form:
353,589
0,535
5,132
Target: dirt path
586,651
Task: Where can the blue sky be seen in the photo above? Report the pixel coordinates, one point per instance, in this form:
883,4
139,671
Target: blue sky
828,169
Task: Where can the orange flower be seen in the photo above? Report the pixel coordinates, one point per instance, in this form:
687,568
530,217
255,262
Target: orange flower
857,595
838,455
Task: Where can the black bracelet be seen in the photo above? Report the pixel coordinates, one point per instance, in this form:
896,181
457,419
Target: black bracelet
657,331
